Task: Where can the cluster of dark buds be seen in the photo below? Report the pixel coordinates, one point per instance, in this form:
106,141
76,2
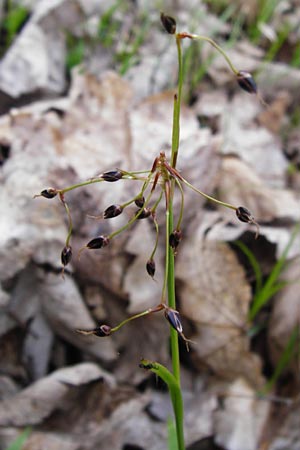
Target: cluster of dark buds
160,175
244,78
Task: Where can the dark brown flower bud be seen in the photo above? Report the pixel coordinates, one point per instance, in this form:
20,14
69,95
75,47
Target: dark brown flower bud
169,23
150,267
173,317
66,255
112,175
98,242
244,215
49,193
146,212
140,202
246,82
175,239
112,211
101,331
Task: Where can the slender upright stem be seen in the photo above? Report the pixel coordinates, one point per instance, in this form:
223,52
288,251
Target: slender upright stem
170,253
177,103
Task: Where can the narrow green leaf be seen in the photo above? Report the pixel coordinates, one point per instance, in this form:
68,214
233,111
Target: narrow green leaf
172,439
253,262
20,440
271,285
286,356
175,394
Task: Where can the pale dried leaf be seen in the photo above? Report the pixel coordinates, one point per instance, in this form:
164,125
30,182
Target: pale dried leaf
254,144
98,114
37,347
130,425
35,403
273,117
240,424
65,310
50,441
143,292
240,186
275,77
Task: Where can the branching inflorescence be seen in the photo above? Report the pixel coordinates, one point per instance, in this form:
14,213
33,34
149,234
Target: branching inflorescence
159,184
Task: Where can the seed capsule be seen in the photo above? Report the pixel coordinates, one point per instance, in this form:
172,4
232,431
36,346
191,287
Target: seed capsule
244,215
175,239
169,23
246,82
98,242
102,331
49,193
112,211
150,267
66,255
140,202
173,317
112,175
146,212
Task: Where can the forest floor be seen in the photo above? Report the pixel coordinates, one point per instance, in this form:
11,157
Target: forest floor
86,87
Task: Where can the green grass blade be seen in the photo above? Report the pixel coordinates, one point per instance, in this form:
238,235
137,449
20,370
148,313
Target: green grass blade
14,20
20,440
172,439
253,262
175,394
287,354
271,285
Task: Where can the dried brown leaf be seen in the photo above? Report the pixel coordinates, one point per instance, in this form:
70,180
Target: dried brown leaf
240,186
254,144
215,295
35,403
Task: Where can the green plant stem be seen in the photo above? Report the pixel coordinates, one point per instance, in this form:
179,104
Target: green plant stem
169,252
197,37
208,197
177,103
132,220
175,394
126,176
181,205
156,238
137,316
70,228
